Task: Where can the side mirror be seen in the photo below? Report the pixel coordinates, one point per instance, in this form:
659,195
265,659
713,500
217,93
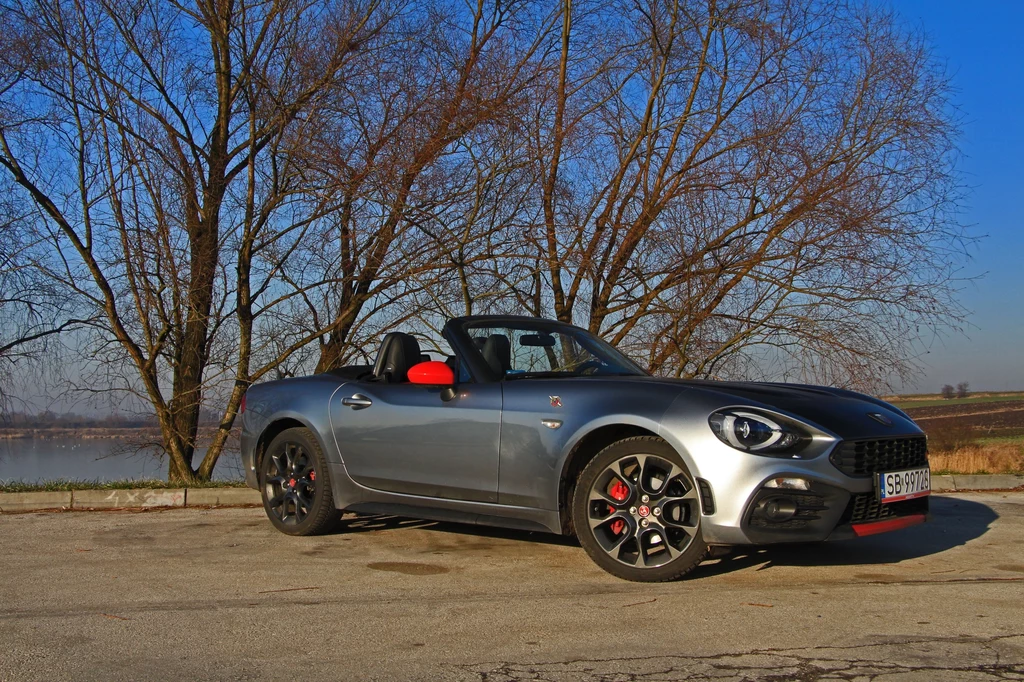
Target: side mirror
432,373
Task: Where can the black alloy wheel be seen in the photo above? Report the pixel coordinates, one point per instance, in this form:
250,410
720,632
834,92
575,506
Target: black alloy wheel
636,511
296,485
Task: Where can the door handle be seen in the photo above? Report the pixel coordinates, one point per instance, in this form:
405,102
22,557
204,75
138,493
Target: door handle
357,401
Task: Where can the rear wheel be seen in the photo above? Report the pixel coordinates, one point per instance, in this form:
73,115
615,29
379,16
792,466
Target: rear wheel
636,511
296,485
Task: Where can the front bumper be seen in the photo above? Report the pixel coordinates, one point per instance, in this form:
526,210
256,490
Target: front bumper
859,530
825,513
745,512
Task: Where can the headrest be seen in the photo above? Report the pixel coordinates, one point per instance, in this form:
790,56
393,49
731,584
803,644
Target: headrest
398,352
497,352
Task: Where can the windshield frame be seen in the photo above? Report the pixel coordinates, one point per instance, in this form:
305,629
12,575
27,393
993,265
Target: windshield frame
458,332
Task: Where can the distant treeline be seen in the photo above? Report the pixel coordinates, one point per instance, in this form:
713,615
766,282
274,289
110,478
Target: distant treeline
70,420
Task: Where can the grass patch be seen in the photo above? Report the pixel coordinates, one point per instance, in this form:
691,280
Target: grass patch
997,440
904,403
63,484
990,458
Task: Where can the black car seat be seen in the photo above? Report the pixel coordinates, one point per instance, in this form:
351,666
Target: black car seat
398,352
497,352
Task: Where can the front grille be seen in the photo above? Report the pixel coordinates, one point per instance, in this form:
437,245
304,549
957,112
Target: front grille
866,457
865,507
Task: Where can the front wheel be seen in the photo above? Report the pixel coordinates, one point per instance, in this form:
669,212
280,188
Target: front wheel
296,485
636,511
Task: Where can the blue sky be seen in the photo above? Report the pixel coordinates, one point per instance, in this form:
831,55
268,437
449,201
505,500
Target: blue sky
981,45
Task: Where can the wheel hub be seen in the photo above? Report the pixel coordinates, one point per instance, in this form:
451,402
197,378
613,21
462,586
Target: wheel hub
643,510
290,488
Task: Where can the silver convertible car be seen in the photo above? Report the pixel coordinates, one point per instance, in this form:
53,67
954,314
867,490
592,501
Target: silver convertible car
539,425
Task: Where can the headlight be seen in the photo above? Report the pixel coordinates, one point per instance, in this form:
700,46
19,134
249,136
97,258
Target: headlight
758,433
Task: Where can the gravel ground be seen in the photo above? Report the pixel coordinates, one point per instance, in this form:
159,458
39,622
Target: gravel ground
218,594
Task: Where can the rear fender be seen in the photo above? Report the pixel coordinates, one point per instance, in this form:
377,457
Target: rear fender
286,420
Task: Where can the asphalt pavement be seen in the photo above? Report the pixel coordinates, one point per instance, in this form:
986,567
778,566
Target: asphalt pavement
219,594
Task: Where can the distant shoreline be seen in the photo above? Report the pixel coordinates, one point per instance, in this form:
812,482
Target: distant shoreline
91,433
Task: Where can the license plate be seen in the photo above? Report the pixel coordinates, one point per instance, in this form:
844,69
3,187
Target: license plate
894,486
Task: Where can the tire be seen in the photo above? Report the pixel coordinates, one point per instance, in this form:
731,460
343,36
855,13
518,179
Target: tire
296,485
609,511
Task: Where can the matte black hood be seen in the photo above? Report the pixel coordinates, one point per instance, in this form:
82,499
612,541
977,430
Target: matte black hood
845,413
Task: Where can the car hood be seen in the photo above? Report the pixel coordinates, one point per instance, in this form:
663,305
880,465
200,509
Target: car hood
845,413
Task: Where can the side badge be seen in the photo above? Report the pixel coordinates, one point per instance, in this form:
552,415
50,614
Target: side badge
880,418
556,401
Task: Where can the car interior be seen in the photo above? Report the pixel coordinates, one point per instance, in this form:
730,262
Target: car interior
400,351
497,351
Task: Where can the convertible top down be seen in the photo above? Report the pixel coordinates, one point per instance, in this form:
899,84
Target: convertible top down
540,425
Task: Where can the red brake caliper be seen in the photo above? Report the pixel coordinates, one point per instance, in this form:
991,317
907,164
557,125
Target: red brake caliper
619,492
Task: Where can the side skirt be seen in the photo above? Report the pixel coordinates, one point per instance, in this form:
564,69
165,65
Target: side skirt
350,496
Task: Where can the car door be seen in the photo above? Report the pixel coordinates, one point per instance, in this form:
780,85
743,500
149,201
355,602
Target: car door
404,438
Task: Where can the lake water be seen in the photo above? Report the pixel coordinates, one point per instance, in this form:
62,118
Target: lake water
107,459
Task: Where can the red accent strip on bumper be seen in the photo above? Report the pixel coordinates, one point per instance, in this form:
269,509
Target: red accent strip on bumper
862,529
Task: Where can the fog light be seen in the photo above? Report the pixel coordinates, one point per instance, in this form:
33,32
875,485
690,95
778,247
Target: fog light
788,484
779,509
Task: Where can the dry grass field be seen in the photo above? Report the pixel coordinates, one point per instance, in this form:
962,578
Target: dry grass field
989,458
933,399
980,434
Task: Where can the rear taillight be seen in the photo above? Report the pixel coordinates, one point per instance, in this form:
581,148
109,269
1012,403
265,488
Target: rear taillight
241,406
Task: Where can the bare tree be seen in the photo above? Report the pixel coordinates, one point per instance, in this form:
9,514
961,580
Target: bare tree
34,310
134,126
228,192
948,392
407,166
748,185
29,318
963,389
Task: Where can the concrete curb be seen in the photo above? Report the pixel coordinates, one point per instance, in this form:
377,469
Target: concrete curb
137,498
222,497
960,482
148,498
22,502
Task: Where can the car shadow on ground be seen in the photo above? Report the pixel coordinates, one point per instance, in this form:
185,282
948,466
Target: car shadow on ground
954,522
371,522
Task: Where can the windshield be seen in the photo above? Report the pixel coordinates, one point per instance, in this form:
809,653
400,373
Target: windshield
518,351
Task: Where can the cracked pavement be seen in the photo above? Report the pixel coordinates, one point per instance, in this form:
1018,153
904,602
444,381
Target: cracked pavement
960,658
219,594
